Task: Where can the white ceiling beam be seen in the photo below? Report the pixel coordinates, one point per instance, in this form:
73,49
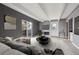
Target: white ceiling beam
69,9
42,7
64,8
73,10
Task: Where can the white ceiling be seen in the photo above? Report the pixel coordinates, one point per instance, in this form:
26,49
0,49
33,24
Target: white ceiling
44,11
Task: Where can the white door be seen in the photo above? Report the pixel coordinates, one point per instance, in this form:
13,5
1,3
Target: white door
54,28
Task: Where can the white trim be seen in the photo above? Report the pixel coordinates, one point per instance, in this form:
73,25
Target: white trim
27,30
73,27
31,28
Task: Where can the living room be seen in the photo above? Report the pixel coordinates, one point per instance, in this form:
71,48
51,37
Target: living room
30,29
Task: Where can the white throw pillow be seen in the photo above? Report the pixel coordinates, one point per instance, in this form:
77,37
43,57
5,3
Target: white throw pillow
9,38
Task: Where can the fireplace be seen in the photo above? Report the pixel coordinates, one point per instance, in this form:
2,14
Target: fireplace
45,32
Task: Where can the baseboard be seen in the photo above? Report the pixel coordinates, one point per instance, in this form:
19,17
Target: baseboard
60,37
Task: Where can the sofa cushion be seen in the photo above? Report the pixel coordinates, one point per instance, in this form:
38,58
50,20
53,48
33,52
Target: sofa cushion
22,39
36,50
13,52
4,40
6,50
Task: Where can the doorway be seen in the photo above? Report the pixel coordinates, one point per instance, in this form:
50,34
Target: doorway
27,28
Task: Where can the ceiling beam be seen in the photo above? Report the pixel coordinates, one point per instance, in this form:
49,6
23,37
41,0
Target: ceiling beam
43,9
73,10
64,8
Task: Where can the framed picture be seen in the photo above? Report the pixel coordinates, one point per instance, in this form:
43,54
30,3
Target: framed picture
9,23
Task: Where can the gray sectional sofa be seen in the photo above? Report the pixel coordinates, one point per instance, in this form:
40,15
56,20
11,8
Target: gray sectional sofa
18,48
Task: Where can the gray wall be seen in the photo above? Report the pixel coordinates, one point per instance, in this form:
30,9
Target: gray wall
74,14
4,10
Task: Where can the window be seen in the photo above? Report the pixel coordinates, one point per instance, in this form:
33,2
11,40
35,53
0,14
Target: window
76,25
